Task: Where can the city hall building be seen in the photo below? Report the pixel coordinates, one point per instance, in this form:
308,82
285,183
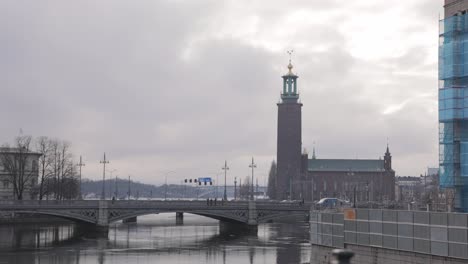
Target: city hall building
300,177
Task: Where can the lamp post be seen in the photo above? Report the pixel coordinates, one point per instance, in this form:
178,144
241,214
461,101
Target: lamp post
217,183
165,188
81,164
128,193
240,188
253,166
116,194
225,168
235,188
165,184
104,162
110,179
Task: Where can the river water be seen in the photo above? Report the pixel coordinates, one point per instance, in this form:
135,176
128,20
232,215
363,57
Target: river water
155,239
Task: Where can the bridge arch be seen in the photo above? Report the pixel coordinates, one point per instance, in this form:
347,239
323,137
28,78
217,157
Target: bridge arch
241,217
62,214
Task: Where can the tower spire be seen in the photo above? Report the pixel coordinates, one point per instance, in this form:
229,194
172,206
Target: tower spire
387,159
290,83
290,66
388,150
313,152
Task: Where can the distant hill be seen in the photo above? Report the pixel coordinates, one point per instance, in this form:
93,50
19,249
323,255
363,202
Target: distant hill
92,189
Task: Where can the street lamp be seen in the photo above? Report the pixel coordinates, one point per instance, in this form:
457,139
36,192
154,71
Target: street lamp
217,184
225,168
129,191
165,184
81,164
253,166
235,188
110,184
116,194
104,162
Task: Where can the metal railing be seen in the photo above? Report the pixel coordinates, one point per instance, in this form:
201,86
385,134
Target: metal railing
153,203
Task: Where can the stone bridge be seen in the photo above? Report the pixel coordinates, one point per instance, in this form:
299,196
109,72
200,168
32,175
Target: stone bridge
103,212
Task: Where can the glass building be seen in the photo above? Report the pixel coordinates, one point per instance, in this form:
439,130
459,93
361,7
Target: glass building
453,101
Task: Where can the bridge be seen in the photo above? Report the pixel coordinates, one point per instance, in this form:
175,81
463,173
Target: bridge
100,213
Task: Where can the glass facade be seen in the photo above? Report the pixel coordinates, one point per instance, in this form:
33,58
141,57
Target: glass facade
453,107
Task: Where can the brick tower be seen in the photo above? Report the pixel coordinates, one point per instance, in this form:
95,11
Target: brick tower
289,143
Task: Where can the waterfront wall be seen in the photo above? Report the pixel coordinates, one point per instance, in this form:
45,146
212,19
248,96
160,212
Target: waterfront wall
407,232
375,255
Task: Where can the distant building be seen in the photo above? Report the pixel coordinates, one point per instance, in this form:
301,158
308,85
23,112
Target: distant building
365,179
432,171
299,177
408,188
14,159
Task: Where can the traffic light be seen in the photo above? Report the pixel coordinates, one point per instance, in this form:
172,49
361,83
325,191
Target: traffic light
205,183
185,180
190,180
195,180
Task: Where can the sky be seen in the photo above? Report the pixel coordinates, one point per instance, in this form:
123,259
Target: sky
170,89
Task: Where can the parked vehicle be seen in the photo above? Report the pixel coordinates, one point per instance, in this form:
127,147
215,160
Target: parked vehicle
332,203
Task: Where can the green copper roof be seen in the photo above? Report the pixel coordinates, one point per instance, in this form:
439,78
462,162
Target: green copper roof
351,165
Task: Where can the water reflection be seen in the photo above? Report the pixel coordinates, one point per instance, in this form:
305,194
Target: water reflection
155,239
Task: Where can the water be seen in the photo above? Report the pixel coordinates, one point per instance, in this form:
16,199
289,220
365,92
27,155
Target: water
155,239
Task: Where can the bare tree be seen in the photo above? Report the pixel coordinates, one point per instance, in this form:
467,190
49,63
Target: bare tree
70,188
449,199
62,167
20,166
44,146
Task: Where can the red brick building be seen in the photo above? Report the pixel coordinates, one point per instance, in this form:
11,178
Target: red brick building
368,179
298,177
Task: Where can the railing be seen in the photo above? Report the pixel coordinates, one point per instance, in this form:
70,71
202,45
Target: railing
280,206
50,202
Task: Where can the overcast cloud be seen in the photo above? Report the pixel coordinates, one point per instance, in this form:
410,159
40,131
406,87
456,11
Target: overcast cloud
183,85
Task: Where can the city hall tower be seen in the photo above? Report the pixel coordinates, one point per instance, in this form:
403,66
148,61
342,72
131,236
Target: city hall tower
289,145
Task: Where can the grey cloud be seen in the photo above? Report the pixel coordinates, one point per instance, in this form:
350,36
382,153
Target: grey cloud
112,76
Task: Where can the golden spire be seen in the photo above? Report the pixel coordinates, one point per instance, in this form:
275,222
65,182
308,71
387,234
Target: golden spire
290,66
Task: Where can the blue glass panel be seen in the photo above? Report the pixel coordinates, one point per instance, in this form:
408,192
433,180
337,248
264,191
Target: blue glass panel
464,158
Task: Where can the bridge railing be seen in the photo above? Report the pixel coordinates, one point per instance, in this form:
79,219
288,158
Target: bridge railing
183,204
70,203
176,204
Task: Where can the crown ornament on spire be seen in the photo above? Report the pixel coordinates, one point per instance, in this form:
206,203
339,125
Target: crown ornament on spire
290,66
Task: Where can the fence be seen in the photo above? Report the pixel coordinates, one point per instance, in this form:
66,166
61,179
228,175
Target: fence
441,234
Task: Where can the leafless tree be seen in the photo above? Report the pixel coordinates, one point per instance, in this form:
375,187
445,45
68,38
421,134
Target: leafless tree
449,199
62,167
70,188
20,168
44,146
